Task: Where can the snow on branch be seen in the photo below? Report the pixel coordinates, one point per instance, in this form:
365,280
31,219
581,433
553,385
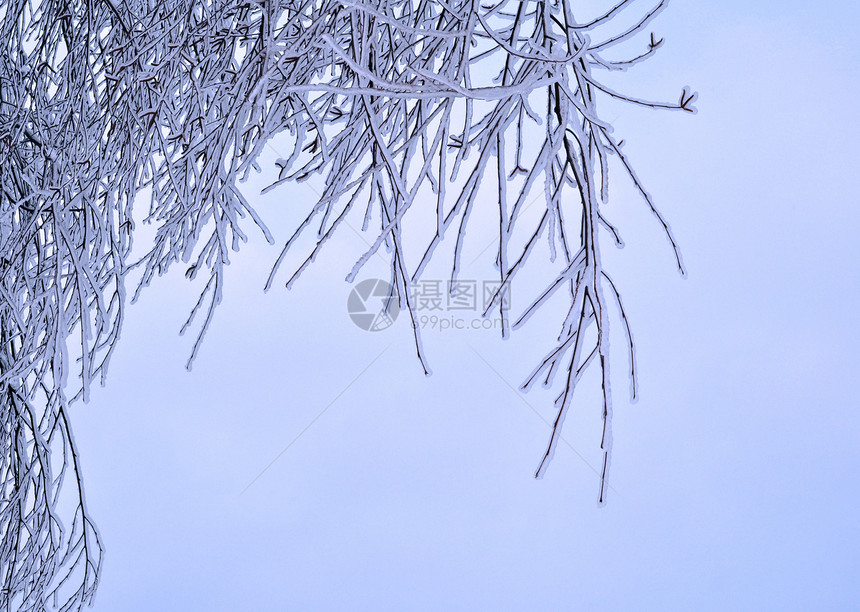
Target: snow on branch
386,99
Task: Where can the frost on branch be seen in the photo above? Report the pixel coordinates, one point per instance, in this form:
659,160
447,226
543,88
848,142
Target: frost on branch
384,100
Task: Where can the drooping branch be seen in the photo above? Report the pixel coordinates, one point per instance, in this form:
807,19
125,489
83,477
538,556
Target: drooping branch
384,102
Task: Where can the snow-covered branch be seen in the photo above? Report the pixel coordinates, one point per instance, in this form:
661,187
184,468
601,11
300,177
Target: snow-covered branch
386,100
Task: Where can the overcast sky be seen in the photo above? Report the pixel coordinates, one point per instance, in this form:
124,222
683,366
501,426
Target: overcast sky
307,464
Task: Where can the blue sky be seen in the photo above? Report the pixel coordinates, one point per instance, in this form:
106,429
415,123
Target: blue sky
734,477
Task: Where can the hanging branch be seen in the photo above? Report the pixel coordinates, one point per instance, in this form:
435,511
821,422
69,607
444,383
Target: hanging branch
384,101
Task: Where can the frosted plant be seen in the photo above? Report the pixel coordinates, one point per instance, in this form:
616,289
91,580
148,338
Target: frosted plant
385,100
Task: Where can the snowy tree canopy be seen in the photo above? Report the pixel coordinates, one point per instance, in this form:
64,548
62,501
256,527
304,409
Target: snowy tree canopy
383,99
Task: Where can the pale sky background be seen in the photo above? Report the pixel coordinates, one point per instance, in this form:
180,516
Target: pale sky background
735,476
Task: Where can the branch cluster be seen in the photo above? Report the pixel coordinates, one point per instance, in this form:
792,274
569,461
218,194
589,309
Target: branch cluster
385,100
